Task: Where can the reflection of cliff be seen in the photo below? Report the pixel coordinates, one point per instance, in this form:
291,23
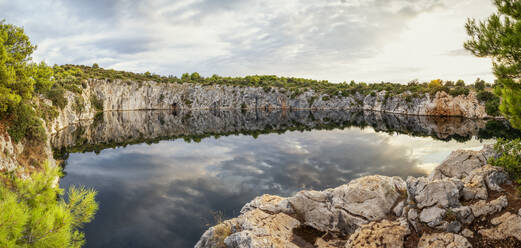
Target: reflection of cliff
119,128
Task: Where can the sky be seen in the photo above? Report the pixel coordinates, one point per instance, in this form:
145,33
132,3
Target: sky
336,40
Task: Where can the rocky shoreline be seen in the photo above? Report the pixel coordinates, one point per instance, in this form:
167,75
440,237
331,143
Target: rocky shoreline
464,202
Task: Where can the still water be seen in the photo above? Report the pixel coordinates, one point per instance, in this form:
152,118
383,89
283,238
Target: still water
163,177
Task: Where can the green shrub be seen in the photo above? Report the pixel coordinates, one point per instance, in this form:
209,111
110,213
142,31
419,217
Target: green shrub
485,96
96,103
32,215
492,107
457,91
57,96
26,124
510,157
79,104
46,112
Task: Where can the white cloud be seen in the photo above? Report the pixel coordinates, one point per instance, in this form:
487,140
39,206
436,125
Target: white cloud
338,40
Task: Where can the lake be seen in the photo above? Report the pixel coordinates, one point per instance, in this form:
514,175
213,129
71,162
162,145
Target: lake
164,176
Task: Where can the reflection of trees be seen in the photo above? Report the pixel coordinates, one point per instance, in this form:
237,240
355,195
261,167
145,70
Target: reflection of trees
114,129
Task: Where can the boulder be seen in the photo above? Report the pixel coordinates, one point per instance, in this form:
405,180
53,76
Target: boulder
383,233
442,193
343,209
483,208
432,216
459,164
254,228
479,181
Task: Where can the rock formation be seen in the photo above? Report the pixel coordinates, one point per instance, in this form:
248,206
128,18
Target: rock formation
378,211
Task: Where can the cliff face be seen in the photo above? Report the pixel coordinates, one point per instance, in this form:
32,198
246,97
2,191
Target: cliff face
150,95
118,95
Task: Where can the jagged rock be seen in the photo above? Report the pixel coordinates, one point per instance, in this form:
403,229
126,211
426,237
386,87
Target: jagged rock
412,217
463,214
432,216
467,233
479,180
442,193
443,240
506,225
380,234
345,208
268,203
483,208
254,228
459,164
398,209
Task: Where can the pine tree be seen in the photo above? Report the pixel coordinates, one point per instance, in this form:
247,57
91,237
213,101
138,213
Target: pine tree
499,37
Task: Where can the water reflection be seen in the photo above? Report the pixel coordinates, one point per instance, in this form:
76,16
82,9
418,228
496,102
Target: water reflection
164,194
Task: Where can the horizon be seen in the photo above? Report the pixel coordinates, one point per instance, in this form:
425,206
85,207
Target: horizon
374,41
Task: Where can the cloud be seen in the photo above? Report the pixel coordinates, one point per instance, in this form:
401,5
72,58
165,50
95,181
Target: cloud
336,39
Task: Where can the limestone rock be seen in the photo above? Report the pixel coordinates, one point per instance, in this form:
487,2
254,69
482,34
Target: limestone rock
463,214
380,234
443,240
345,208
432,216
268,203
483,208
398,209
255,228
459,164
442,193
479,180
506,225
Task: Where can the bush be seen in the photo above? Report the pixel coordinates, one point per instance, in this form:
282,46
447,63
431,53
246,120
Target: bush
79,104
510,157
26,124
46,112
479,85
57,96
485,96
457,91
492,107
96,103
32,215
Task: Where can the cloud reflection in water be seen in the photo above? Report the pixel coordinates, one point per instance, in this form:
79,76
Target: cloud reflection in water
166,193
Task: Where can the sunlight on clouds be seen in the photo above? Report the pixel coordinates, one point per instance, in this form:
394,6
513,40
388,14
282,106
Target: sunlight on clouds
370,40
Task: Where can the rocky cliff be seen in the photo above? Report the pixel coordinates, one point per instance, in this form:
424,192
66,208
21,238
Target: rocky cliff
463,203
118,95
